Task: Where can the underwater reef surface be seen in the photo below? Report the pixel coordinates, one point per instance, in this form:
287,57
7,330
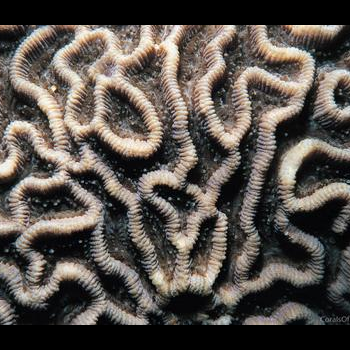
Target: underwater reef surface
174,174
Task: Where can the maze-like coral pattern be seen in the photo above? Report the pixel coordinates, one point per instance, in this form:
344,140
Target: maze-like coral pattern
174,174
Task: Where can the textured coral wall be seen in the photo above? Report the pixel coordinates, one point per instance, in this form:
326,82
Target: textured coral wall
174,174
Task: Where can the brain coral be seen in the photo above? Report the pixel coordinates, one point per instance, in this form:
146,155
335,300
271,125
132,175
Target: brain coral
174,174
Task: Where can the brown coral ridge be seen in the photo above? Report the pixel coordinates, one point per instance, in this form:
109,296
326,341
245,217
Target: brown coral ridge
287,314
316,35
12,31
327,112
89,68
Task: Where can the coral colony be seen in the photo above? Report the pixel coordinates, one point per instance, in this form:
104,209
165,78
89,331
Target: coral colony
174,174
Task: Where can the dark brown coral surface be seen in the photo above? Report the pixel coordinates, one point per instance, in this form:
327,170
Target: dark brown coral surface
174,174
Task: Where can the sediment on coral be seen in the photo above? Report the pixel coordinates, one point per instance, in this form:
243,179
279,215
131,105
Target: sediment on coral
174,174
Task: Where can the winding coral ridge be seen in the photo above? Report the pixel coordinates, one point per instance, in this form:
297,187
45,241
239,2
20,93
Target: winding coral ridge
316,35
287,314
327,111
110,125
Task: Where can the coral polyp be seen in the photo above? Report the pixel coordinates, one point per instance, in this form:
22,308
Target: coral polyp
174,174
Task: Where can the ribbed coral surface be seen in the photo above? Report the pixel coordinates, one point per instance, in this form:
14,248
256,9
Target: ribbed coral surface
174,174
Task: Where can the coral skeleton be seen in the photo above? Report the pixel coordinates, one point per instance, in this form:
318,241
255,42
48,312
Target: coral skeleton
174,174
